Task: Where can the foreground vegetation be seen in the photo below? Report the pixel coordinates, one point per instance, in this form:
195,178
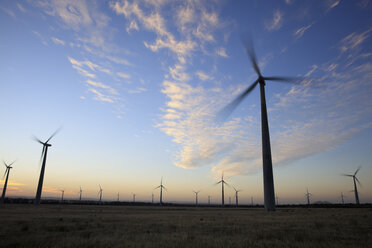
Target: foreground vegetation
136,226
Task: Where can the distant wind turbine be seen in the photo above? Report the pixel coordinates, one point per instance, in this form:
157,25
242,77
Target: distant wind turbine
252,201
209,200
222,182
229,200
277,200
118,199
355,179
43,157
268,179
7,171
63,193
196,197
236,195
134,197
161,186
152,197
308,196
80,193
342,198
100,193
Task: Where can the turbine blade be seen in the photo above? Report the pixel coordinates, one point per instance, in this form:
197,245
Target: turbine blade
347,175
55,132
36,139
294,80
357,170
5,172
224,113
157,187
12,163
218,182
248,44
164,188
360,184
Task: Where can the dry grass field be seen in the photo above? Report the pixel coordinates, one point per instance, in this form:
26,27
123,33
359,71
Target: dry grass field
135,226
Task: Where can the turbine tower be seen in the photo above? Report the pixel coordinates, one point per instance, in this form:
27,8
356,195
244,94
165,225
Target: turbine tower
268,179
209,200
277,200
134,197
222,182
118,199
355,180
161,186
63,193
236,196
7,171
43,157
196,197
308,196
100,193
152,197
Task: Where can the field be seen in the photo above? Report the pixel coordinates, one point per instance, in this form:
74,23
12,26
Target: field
155,226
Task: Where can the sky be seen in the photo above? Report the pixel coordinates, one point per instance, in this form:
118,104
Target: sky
135,87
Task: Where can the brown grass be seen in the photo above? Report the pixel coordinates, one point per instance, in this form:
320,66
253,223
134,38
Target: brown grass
119,226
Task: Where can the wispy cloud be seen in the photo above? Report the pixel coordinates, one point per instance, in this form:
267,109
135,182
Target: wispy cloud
222,52
203,76
137,90
301,31
58,41
21,8
12,183
41,37
102,86
333,3
276,22
178,73
354,40
8,11
123,75
100,96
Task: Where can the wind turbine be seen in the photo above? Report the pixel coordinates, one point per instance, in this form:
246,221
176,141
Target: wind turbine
308,196
7,171
161,186
152,197
209,200
222,182
342,198
100,193
236,195
118,199
355,179
277,200
43,157
80,193
268,179
63,193
196,197
134,197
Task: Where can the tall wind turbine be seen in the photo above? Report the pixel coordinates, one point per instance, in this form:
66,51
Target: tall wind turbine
7,171
196,197
355,179
152,197
268,179
134,197
209,200
80,193
100,193
161,186
63,193
308,196
222,182
43,157
236,195
118,199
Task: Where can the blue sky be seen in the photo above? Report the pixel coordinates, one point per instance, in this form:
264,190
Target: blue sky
135,86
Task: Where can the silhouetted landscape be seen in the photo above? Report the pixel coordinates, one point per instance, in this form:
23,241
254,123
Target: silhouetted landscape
52,225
